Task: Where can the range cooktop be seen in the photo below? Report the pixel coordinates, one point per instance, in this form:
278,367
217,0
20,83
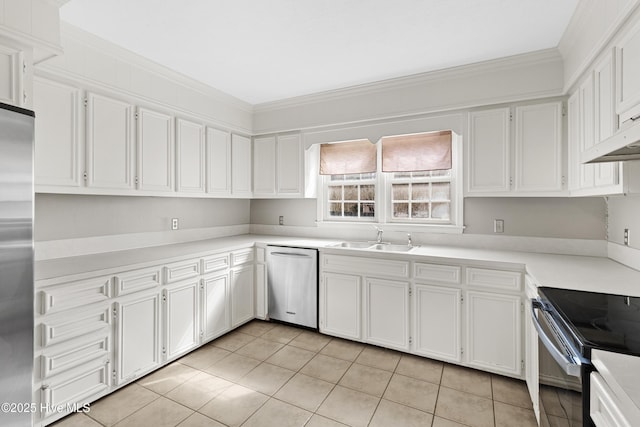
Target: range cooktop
603,321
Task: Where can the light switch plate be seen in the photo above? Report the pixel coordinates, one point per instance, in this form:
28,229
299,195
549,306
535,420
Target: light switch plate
498,225
174,223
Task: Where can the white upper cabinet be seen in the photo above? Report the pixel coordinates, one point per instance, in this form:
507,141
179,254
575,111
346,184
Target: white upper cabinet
190,157
240,166
218,162
489,151
155,151
289,170
264,168
58,143
277,168
605,118
538,148
628,70
11,80
516,151
110,150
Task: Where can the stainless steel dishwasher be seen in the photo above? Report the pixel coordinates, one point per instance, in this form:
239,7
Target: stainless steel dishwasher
292,281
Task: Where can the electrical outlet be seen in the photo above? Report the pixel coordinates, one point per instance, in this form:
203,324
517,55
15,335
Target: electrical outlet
174,223
626,237
281,220
498,225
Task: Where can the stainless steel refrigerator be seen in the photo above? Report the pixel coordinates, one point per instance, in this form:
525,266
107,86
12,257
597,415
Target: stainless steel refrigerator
16,265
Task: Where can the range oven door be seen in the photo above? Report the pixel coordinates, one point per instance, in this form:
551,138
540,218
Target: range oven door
560,368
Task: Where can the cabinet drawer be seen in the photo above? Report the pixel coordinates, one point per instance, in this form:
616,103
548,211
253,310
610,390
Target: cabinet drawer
73,356
60,328
74,294
81,386
604,410
437,273
215,263
497,279
366,266
243,256
138,280
181,270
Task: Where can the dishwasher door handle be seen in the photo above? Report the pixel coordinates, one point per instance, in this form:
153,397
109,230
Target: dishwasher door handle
290,254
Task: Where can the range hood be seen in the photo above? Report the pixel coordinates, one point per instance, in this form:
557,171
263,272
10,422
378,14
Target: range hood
623,145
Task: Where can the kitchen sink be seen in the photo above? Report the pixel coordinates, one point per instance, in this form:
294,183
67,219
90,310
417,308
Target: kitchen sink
391,248
354,245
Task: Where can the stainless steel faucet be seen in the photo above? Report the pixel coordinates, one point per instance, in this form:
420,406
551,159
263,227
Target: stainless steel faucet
379,237
409,242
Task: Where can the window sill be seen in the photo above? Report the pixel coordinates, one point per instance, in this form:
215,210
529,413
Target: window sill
392,227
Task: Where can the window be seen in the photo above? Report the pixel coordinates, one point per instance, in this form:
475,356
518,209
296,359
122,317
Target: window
415,182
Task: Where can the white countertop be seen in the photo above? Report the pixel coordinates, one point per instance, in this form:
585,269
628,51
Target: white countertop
622,374
594,274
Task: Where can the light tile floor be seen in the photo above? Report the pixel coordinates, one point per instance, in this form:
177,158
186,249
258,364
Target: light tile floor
265,374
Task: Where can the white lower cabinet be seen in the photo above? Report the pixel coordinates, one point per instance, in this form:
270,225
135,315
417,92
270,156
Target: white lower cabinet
340,305
181,313
214,305
436,322
137,335
493,332
242,295
387,313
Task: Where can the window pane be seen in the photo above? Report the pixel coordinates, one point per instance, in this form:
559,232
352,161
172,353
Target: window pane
400,191
420,210
335,193
367,209
371,175
350,209
420,192
337,177
420,174
446,172
401,210
350,192
440,191
352,177
402,175
335,209
440,211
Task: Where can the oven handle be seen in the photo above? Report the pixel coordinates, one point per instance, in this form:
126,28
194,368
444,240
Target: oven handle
570,363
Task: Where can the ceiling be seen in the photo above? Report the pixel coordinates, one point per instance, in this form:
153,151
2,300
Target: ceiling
267,50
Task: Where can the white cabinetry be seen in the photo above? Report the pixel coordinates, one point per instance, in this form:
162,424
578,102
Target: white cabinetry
340,305
531,361
242,287
241,166
12,80
156,147
137,335
110,146
181,318
59,148
436,322
488,159
190,157
516,151
628,70
218,162
278,169
387,313
214,305
262,292
493,332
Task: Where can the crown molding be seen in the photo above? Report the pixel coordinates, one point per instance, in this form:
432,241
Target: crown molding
500,64
85,38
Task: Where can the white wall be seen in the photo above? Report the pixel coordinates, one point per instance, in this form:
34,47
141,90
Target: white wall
624,212
60,216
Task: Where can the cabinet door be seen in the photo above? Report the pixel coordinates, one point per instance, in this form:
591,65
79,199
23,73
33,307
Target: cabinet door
109,143
215,306
241,166
138,336
155,151
531,351
386,310
190,155
605,117
289,165
488,151
573,138
340,305
182,330
11,82
628,70
241,295
538,148
218,162
436,322
587,130
58,152
264,169
493,332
